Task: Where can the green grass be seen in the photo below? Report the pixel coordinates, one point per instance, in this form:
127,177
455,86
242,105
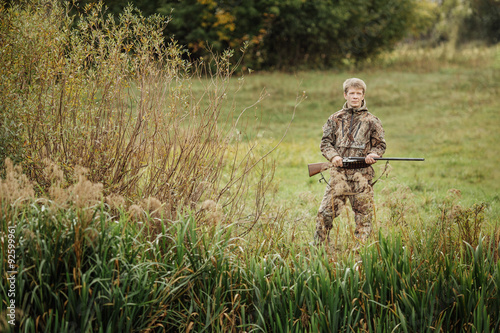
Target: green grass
92,273
245,262
431,264
449,116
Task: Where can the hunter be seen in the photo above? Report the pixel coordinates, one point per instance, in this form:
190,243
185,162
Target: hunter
350,132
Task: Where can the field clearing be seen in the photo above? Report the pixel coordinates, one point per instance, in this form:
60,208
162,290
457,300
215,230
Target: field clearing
430,265
449,116
141,192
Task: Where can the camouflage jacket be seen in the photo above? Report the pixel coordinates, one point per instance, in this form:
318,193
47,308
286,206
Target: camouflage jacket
353,133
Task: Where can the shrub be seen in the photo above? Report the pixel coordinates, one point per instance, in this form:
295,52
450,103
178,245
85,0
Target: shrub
111,95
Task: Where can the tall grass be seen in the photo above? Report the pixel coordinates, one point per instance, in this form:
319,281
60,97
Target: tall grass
426,60
112,95
85,267
97,272
142,204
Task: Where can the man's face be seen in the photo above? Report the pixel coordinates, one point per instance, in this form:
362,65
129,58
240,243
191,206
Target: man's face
354,97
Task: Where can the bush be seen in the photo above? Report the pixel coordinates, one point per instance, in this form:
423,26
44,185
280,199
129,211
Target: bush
294,34
111,95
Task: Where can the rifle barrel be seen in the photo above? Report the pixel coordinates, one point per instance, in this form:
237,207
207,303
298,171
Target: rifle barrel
354,163
388,159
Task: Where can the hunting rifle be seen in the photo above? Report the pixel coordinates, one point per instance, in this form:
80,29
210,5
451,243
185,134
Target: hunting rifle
353,163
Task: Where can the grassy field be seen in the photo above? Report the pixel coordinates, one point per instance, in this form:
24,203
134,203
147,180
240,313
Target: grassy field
446,113
426,268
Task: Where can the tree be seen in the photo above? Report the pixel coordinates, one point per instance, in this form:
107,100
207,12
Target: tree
484,20
323,33
285,34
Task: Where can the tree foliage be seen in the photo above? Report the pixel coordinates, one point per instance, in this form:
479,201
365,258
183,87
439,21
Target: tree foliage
322,33
286,34
291,34
484,20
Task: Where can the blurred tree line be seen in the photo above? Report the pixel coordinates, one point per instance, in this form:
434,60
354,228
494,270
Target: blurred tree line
285,34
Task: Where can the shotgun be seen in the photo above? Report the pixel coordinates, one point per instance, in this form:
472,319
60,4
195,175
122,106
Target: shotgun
353,163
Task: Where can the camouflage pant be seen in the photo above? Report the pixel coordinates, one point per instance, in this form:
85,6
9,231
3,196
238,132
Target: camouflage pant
360,194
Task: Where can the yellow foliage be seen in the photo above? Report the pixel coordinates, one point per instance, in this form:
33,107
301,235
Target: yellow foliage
424,17
209,3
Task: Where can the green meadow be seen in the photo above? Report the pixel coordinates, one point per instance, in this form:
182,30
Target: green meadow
194,211
445,111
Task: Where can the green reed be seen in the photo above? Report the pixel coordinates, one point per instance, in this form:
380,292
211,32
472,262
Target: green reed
84,269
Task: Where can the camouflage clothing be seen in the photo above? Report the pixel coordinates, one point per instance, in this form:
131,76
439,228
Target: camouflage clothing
349,133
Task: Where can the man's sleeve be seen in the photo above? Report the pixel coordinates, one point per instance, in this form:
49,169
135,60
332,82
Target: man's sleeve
377,138
327,144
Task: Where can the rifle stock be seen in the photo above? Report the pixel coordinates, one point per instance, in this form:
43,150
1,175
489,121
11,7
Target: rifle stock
353,163
315,168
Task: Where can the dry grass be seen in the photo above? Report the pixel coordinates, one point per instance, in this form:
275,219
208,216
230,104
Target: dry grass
111,109
141,204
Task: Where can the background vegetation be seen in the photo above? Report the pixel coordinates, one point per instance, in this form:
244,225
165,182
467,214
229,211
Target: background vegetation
296,34
152,193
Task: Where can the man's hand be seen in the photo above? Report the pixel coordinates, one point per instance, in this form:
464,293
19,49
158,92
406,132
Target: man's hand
370,158
337,161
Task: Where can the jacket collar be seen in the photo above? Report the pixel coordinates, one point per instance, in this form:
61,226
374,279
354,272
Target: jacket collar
362,108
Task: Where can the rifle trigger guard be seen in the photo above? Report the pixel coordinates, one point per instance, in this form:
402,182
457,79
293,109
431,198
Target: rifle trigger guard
322,179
